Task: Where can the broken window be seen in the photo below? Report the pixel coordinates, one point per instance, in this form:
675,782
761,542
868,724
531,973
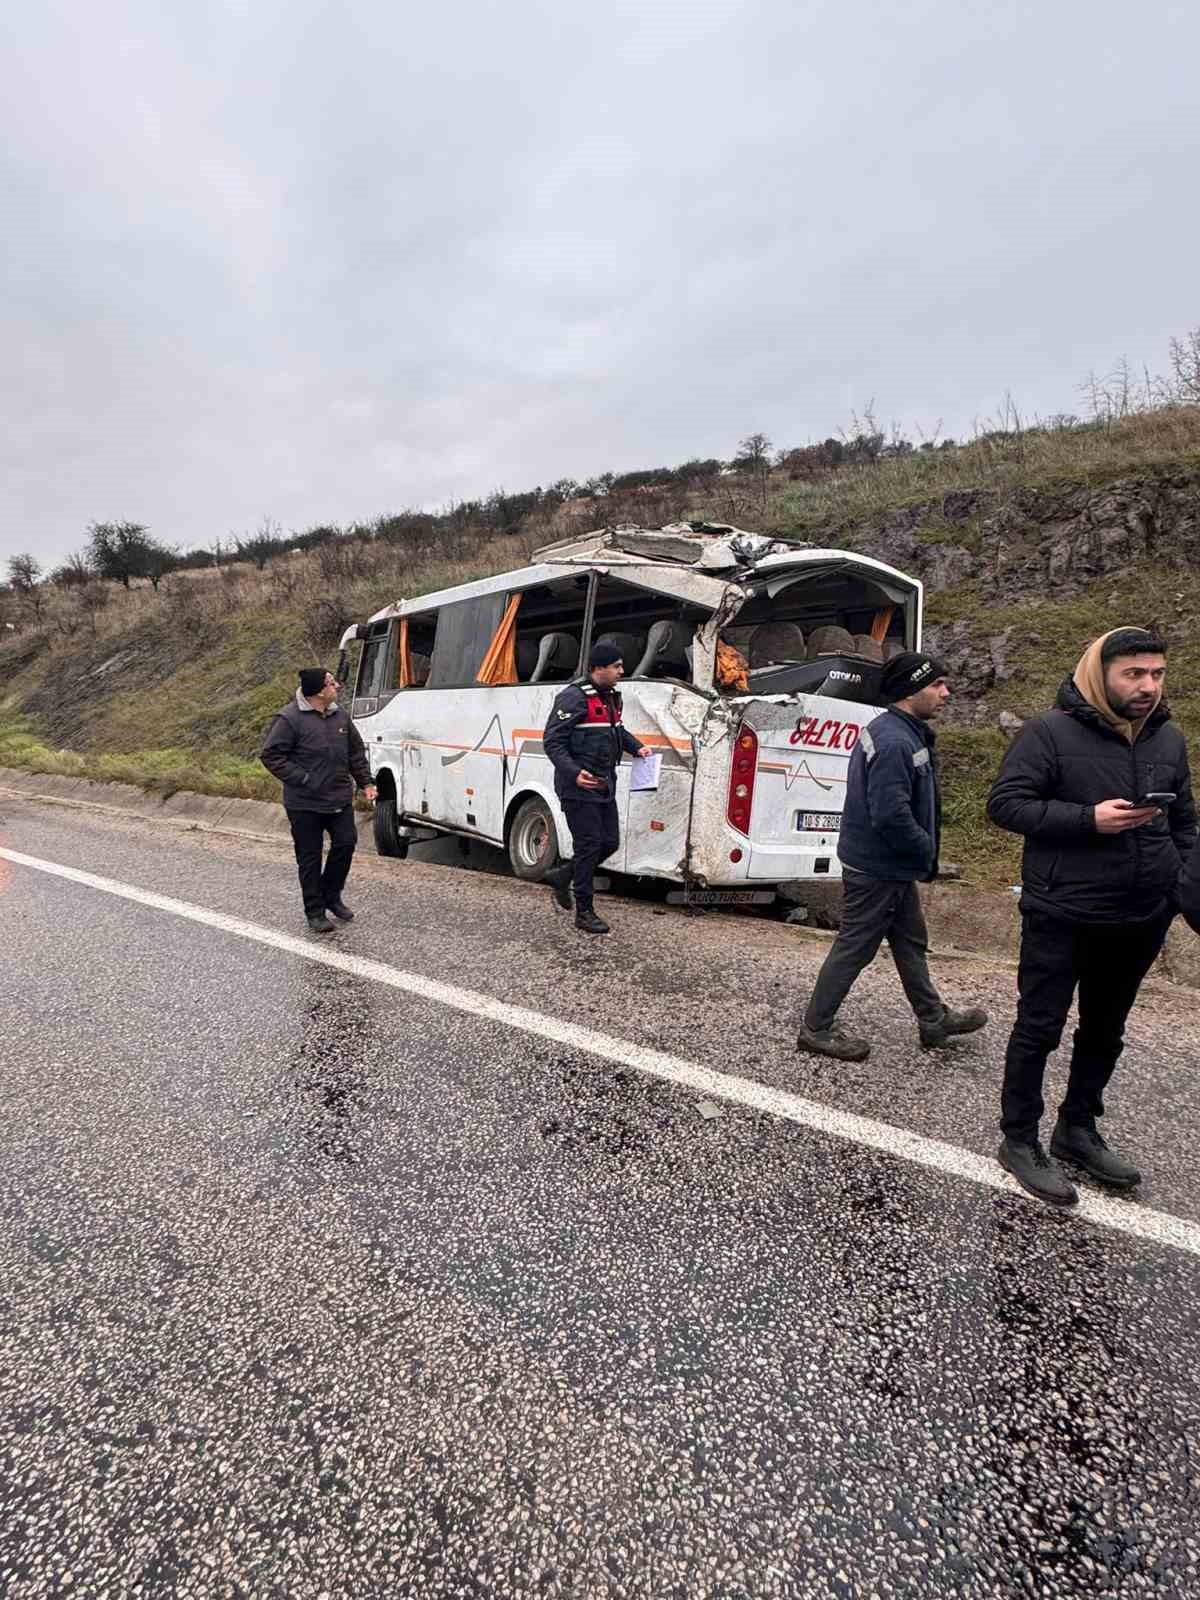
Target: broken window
550,629
654,632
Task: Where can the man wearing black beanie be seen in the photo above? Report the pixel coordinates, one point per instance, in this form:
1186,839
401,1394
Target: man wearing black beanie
585,741
318,755
889,841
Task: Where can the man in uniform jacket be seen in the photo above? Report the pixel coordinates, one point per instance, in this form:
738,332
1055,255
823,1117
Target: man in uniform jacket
318,755
888,843
585,741
1100,789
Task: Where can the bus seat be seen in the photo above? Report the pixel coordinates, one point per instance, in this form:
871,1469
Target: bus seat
773,642
420,669
666,651
892,647
830,641
558,657
631,646
527,658
866,647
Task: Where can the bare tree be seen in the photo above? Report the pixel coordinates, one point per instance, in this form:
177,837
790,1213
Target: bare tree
753,461
159,560
261,546
24,579
1185,369
75,571
92,599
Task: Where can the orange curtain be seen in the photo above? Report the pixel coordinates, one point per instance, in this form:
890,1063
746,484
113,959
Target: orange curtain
881,624
731,668
404,676
500,663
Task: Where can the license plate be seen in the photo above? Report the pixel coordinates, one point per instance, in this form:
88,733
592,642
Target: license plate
818,821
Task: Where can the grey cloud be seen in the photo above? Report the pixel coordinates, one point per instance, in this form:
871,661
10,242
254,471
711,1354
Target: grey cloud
320,261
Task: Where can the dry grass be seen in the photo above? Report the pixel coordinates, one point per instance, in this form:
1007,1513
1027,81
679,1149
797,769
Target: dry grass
1088,454
213,653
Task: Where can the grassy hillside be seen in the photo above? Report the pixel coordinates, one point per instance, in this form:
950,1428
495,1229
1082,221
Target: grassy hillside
173,688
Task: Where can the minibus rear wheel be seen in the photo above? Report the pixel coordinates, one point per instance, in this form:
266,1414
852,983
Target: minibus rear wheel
533,840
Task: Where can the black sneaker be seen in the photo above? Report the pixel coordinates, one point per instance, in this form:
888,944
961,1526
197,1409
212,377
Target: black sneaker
559,884
952,1023
831,1042
589,922
1034,1171
341,911
1081,1144
320,925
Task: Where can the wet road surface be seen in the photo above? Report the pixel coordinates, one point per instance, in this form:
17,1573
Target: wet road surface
310,1287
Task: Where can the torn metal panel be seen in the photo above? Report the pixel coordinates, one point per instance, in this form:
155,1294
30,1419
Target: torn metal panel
656,820
733,598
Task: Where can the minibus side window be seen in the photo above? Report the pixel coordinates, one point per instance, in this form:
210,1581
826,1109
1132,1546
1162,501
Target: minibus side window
464,632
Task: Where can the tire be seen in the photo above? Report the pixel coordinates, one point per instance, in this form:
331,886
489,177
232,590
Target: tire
386,824
533,840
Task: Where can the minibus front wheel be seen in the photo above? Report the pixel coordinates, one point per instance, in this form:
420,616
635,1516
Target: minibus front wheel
386,822
532,840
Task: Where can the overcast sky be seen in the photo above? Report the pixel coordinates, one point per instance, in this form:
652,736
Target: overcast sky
319,261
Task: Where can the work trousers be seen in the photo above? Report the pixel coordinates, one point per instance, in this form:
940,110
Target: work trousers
1106,965
322,888
874,909
595,834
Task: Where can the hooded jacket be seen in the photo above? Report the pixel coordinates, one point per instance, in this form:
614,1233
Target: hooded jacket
1058,769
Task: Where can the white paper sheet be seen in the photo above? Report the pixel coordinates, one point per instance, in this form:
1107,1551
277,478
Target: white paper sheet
644,773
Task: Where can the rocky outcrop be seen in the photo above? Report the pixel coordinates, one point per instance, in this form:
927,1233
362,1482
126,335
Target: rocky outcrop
1030,545
1043,543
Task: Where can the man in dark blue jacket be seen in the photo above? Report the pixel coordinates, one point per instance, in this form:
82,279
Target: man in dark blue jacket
889,840
585,740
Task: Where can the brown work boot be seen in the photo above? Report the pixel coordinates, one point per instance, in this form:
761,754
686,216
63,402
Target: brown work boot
952,1023
831,1042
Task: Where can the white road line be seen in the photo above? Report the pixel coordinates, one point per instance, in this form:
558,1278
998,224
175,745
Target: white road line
1159,1227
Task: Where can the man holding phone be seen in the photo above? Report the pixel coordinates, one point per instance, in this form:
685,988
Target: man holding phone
1100,789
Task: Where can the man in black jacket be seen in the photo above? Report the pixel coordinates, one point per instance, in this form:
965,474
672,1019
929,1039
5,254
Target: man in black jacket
318,755
1100,789
585,741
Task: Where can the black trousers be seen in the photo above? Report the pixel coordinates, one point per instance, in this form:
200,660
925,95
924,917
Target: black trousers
874,909
595,834
322,888
1107,966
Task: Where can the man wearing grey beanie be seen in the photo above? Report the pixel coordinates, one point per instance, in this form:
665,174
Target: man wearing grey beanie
889,840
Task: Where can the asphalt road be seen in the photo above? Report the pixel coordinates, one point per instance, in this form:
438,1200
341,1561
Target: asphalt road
314,1284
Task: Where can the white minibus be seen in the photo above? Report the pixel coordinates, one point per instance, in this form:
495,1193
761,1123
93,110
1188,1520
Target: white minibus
751,667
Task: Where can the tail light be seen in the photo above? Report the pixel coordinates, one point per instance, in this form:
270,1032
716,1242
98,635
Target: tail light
741,779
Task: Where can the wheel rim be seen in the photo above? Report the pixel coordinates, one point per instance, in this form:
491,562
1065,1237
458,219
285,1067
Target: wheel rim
532,837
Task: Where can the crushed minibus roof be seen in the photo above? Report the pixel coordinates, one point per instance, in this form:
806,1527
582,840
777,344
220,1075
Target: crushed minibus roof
699,562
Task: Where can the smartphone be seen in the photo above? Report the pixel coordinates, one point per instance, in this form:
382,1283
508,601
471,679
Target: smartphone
1157,798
